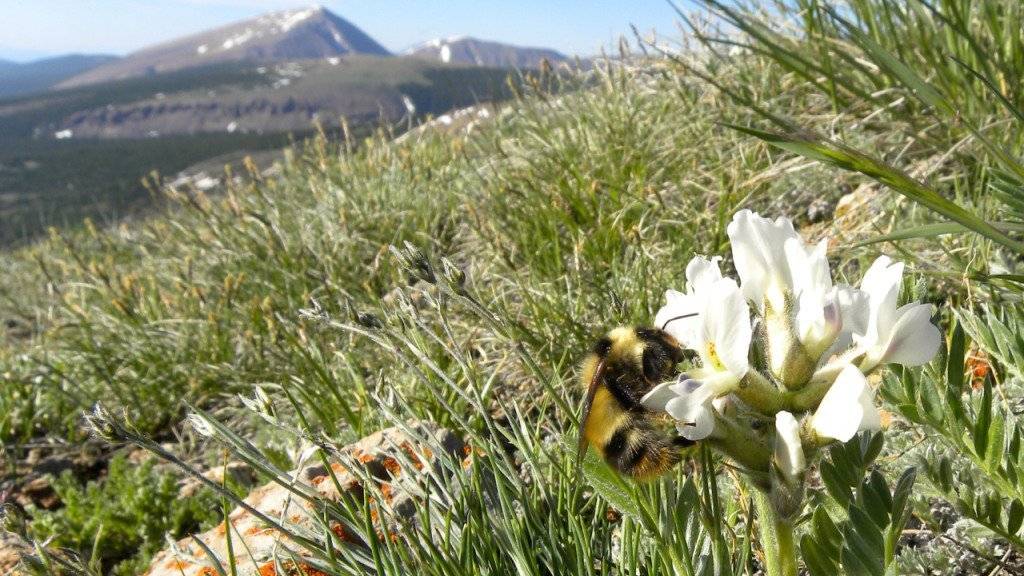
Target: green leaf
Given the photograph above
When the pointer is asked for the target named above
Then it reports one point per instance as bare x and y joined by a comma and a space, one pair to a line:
872, 444
984, 419
996, 431
864, 545
874, 494
825, 531
819, 562
904, 488
842, 156
1014, 517
837, 488
955, 372
932, 231
610, 486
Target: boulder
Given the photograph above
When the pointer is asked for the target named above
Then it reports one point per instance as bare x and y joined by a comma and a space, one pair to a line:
394, 461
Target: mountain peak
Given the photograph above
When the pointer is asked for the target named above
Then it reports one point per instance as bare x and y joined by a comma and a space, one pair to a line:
474, 51
297, 34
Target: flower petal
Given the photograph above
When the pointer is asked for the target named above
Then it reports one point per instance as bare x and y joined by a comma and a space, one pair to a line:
882, 283
727, 327
671, 318
692, 397
914, 340
848, 407
855, 310
658, 397
701, 273
789, 453
758, 250
701, 427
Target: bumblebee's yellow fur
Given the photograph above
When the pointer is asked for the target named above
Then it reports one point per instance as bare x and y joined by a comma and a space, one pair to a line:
623, 366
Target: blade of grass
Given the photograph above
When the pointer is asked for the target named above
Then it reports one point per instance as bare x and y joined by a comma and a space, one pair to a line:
846, 158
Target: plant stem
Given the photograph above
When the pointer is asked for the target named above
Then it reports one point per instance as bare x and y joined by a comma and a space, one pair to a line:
777, 539
787, 548
740, 444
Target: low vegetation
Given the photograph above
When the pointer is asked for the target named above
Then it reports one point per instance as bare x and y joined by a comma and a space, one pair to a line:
459, 277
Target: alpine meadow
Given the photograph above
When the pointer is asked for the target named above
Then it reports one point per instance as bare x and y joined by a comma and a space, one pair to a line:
745, 301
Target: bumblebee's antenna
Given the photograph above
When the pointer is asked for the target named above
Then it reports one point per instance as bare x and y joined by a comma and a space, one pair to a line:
671, 320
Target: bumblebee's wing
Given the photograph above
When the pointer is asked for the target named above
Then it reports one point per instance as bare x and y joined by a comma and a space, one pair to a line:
581, 448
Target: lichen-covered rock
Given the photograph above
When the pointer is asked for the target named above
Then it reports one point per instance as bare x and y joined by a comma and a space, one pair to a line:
233, 473
388, 458
12, 549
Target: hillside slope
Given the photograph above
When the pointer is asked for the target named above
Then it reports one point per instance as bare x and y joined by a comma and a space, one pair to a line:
310, 33
82, 151
16, 79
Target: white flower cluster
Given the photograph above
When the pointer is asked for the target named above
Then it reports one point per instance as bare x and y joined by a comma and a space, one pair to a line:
787, 339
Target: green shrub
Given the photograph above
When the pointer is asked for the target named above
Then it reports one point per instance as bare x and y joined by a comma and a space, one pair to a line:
118, 523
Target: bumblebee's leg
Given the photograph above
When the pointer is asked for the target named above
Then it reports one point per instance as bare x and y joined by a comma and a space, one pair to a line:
639, 450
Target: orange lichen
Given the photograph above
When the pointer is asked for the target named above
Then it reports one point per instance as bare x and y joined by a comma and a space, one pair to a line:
307, 570
342, 534
268, 569
207, 571
386, 491
177, 565
254, 530
411, 452
392, 466
612, 515
978, 368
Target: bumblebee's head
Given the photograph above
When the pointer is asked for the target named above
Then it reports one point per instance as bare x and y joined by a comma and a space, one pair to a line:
648, 356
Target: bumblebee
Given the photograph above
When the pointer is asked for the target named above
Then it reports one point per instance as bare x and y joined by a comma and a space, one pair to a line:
621, 368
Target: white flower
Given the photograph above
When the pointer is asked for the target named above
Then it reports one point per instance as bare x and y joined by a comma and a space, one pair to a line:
759, 253
903, 335
791, 285
713, 319
847, 408
853, 313
691, 402
680, 316
789, 453
818, 315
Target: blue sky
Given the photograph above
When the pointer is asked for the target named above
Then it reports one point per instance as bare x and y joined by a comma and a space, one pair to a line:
36, 28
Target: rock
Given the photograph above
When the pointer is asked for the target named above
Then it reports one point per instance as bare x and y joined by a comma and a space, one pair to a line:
32, 482
819, 210
12, 549
238, 474
395, 462
39, 492
54, 465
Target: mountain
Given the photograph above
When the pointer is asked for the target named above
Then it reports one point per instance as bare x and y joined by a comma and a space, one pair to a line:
17, 79
310, 33
473, 51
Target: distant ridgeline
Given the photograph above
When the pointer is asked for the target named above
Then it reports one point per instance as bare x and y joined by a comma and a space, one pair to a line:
78, 133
